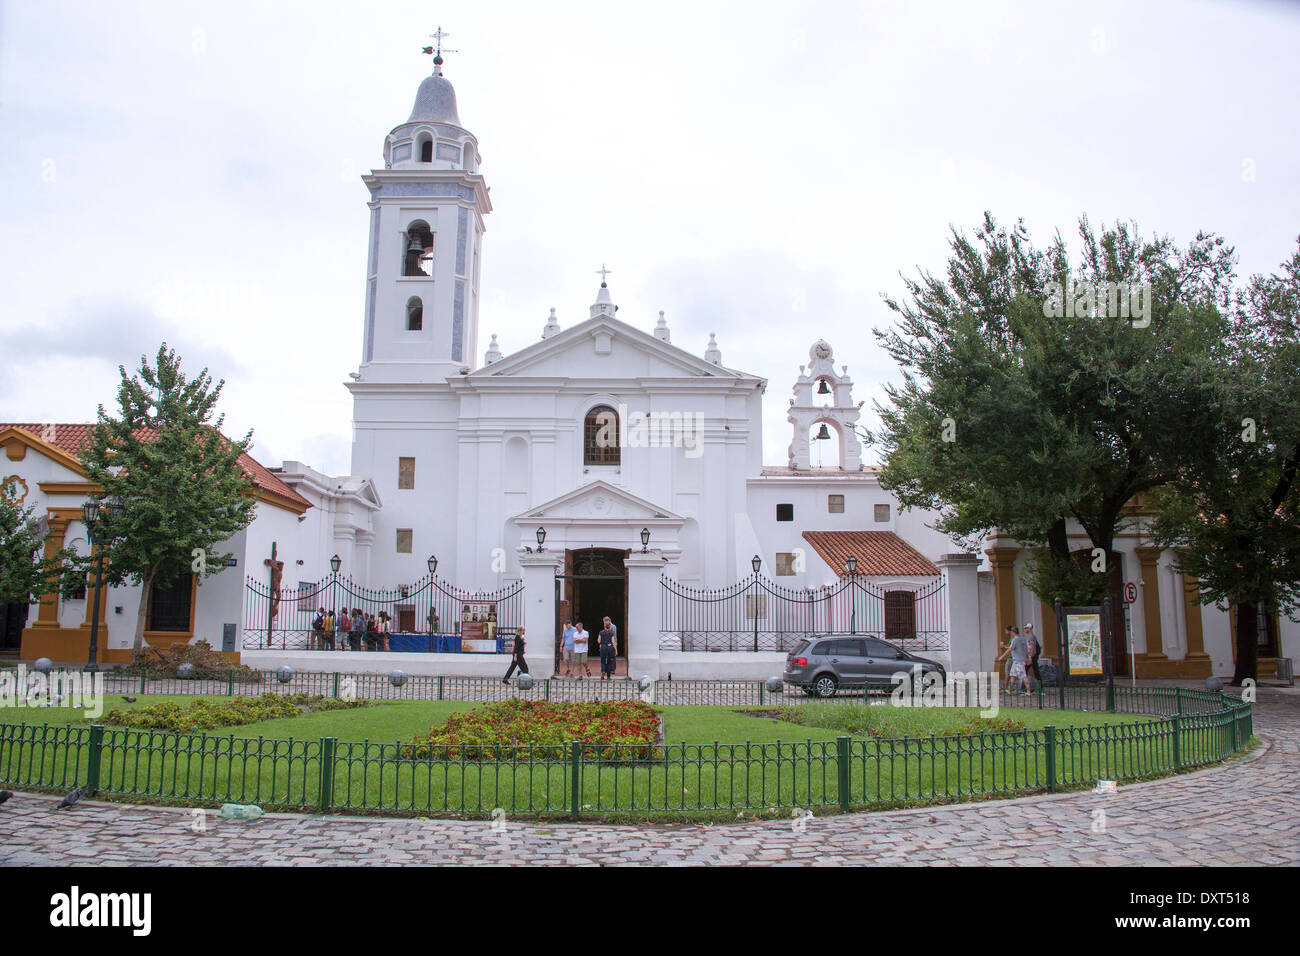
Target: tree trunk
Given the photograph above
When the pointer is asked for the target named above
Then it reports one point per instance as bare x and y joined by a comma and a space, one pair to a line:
1247, 643
146, 586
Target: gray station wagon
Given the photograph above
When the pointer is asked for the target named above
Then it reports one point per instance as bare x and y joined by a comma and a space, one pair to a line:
822, 665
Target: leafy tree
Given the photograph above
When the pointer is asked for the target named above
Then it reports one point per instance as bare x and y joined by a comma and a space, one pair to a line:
1024, 403
177, 480
26, 573
1235, 508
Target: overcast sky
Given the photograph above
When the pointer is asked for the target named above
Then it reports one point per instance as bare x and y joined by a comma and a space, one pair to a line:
190, 172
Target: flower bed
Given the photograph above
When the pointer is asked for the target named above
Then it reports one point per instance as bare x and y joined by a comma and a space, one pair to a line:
203, 714
512, 729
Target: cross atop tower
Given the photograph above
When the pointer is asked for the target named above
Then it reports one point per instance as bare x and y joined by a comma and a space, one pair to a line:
602, 272
437, 50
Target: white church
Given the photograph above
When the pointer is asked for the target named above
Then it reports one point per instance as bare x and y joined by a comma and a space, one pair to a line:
602, 470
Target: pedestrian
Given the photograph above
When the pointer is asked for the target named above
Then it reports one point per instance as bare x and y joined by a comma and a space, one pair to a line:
317, 630
1019, 651
372, 633
385, 628
343, 625
567, 634
358, 629
327, 631
517, 657
1035, 651
580, 638
608, 642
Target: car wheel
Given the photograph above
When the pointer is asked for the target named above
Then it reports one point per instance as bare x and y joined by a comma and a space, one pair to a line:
824, 686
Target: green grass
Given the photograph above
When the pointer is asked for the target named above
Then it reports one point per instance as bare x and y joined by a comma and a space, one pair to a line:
277, 763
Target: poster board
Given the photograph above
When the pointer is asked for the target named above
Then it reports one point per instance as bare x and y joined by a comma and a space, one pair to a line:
478, 621
1083, 640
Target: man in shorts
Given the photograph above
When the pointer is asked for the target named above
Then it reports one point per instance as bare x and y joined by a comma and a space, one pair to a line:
568, 648
580, 638
1035, 651
1019, 651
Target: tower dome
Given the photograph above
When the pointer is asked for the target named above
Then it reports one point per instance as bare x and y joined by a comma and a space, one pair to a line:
435, 102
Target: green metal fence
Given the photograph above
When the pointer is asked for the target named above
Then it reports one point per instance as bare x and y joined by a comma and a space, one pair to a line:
1186, 729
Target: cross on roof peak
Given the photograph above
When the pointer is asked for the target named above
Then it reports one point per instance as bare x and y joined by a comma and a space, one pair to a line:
602, 272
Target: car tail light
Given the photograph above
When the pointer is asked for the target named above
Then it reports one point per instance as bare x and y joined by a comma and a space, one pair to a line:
799, 662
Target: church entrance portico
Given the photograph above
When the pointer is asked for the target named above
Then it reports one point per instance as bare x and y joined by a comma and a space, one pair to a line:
592, 587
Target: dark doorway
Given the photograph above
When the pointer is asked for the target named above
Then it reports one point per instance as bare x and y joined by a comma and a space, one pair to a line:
13, 618
593, 587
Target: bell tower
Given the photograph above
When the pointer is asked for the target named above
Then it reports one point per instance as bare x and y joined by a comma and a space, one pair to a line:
426, 225
838, 412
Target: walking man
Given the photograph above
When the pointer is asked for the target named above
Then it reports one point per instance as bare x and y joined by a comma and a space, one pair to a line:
580, 638
569, 631
1018, 649
1035, 650
517, 658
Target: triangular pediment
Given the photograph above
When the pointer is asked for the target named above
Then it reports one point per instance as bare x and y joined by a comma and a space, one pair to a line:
603, 347
598, 501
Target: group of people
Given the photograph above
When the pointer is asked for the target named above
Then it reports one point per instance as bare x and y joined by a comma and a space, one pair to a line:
1024, 651
344, 631
576, 644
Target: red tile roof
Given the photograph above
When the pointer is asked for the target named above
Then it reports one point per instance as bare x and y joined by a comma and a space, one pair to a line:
71, 438
878, 552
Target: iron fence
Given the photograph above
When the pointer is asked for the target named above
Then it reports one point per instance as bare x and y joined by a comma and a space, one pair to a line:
780, 777
429, 615
758, 614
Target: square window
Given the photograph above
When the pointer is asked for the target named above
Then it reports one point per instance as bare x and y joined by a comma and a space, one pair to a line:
405, 473
835, 504
785, 512
882, 512
404, 540
785, 564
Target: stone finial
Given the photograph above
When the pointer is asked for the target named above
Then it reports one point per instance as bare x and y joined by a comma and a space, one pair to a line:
712, 353
552, 326
661, 328
493, 353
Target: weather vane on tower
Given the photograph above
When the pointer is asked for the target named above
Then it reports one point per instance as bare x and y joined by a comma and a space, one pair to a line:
437, 51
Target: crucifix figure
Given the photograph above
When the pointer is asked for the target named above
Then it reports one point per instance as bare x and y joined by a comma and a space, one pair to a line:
277, 572
602, 272
437, 51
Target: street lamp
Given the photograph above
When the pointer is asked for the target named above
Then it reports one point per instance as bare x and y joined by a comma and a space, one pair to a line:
645, 540
541, 538
756, 563
851, 565
91, 514
335, 563
433, 565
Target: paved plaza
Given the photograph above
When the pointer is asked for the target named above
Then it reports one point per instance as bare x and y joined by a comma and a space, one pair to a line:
1244, 812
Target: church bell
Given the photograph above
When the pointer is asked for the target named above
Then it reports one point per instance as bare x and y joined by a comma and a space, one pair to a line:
823, 435
822, 388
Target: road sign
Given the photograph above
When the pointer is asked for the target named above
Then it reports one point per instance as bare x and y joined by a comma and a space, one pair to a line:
1130, 592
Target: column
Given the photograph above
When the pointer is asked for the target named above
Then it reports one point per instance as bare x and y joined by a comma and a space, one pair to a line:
1197, 660
1149, 558
47, 618
539, 610
1003, 561
961, 594
644, 608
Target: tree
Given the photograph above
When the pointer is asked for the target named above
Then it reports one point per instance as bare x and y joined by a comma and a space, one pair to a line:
178, 482
1035, 391
26, 573
1234, 511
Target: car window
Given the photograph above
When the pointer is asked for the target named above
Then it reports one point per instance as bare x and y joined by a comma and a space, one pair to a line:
849, 648
826, 649
882, 651
801, 647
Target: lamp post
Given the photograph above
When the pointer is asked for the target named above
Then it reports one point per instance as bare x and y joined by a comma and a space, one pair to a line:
756, 563
541, 538
851, 565
91, 516
645, 540
335, 563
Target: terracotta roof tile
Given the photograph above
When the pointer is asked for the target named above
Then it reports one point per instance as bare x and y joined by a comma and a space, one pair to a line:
71, 438
878, 552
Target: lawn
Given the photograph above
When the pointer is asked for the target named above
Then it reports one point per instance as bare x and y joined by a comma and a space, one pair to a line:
758, 764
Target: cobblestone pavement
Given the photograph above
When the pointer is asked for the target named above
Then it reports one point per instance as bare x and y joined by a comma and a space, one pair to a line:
1246, 811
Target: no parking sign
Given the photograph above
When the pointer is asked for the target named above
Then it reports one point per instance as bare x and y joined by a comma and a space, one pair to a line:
1130, 592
